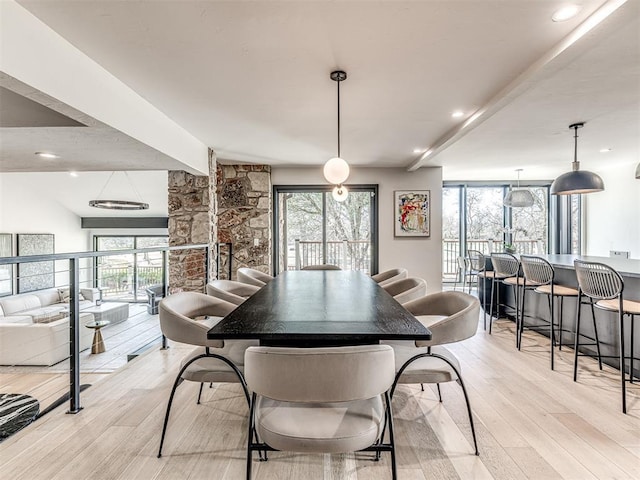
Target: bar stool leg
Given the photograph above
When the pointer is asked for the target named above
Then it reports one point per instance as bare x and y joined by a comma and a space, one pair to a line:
577, 339
631, 360
520, 323
560, 323
551, 332
622, 374
493, 282
595, 330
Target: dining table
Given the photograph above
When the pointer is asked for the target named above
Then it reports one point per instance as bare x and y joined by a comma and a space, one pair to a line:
320, 308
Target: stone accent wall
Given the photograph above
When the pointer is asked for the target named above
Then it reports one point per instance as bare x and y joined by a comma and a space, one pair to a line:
244, 216
189, 223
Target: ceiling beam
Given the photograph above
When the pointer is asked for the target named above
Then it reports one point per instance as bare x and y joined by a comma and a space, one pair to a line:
546, 64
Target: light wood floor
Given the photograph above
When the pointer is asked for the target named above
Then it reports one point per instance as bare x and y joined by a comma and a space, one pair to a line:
531, 423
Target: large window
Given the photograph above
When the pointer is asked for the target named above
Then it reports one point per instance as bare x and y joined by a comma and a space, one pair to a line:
474, 218
312, 228
124, 277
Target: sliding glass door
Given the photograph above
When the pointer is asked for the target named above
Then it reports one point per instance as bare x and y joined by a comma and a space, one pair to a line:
313, 229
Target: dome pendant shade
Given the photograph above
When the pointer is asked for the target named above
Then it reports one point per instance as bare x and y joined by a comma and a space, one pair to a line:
638, 172
336, 170
518, 198
340, 193
577, 181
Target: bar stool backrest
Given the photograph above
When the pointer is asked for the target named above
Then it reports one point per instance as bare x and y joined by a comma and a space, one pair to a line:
536, 270
476, 260
597, 280
505, 264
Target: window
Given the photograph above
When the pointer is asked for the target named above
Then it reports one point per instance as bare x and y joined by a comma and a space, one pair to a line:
311, 228
474, 218
124, 277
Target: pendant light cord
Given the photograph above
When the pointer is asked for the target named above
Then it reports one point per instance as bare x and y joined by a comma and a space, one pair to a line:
105, 186
576, 165
338, 82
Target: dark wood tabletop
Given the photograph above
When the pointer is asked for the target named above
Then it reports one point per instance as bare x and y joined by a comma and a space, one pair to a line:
320, 308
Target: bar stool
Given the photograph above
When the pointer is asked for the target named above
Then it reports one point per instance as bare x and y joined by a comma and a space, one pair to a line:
476, 262
603, 284
506, 268
538, 275
462, 273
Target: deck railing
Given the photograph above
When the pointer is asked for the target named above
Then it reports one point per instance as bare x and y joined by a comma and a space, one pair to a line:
346, 254
451, 250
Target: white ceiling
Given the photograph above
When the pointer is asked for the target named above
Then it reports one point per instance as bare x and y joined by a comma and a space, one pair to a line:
251, 80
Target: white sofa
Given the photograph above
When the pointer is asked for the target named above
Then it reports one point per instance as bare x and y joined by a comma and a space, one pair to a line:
34, 327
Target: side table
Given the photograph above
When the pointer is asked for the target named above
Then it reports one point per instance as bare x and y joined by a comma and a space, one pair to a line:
98, 342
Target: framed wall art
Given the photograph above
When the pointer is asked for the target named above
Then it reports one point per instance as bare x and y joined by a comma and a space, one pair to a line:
6, 271
35, 275
412, 213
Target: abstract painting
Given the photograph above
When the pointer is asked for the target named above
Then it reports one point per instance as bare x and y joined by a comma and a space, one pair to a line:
412, 213
35, 275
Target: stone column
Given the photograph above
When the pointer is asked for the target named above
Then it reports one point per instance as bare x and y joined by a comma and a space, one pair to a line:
244, 216
191, 221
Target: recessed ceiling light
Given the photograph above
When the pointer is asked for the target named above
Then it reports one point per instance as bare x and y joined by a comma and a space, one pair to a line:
418, 150
457, 114
605, 150
47, 155
73, 174
565, 13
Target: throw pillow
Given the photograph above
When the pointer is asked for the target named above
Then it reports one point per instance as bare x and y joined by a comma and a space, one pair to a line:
65, 295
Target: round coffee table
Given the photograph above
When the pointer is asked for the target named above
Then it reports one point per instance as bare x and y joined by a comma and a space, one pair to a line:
98, 343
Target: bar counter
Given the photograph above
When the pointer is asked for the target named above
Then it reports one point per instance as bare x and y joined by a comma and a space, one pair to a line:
536, 305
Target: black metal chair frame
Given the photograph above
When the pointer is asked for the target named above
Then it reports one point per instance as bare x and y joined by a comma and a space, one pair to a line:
179, 380
459, 381
621, 314
516, 290
254, 444
550, 297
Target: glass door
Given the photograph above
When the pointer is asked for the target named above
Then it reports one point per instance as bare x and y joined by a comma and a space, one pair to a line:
314, 229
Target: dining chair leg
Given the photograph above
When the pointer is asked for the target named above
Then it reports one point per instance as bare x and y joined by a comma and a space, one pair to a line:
439, 392
392, 443
200, 393
250, 435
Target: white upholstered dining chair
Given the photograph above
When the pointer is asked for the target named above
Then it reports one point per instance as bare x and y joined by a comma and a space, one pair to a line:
451, 317
231, 291
214, 360
390, 276
407, 289
325, 400
253, 277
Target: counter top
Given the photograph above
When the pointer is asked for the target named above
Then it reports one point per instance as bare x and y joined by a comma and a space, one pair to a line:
624, 266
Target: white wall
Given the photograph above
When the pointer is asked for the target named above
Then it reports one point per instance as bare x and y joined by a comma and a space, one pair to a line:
25, 209
613, 216
421, 256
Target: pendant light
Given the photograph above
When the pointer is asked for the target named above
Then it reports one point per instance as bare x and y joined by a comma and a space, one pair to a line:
638, 172
119, 204
577, 181
518, 198
336, 170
